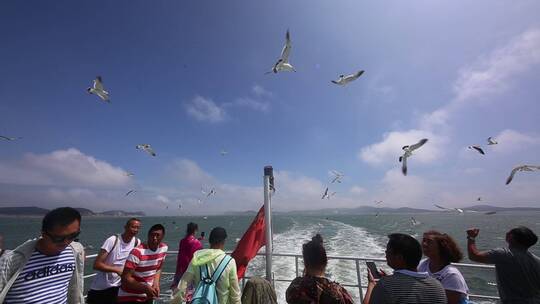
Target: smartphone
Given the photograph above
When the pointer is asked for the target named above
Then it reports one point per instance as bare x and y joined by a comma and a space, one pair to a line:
373, 269
202, 234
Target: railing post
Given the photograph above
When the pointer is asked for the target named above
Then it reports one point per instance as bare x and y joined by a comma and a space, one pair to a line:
296, 266
359, 278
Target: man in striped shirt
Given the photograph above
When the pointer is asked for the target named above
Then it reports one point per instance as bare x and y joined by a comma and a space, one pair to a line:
48, 269
406, 285
142, 271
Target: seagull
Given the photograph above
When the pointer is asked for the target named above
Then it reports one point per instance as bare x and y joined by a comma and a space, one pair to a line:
128, 174
490, 212
414, 222
211, 192
223, 152
337, 176
325, 195
98, 90
408, 152
9, 138
477, 148
378, 202
491, 141
283, 62
205, 217
479, 198
147, 148
129, 192
523, 168
343, 80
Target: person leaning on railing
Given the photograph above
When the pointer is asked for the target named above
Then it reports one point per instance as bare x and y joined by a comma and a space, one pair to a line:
313, 287
441, 250
516, 268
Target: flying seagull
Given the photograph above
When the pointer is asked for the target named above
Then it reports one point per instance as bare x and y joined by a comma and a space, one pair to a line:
325, 195
523, 168
129, 192
283, 62
378, 202
408, 152
477, 148
129, 174
9, 138
208, 193
414, 222
490, 212
223, 152
337, 176
97, 89
491, 141
146, 148
343, 80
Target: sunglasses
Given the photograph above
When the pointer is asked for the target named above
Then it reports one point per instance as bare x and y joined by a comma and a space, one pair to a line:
63, 239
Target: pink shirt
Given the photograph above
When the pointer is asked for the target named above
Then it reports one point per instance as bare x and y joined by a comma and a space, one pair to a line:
187, 248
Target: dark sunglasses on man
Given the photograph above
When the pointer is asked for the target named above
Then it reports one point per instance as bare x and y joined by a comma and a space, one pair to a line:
63, 239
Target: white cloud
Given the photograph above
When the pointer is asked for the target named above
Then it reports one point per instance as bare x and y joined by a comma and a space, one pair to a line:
357, 190
62, 167
511, 141
190, 173
491, 75
250, 103
259, 91
389, 149
204, 109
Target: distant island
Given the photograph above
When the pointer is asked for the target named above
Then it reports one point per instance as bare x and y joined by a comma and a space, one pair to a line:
371, 210
37, 211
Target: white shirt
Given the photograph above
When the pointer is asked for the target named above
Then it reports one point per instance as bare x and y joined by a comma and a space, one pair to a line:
117, 257
450, 277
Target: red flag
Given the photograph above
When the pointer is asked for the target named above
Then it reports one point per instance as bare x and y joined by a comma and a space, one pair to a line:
247, 248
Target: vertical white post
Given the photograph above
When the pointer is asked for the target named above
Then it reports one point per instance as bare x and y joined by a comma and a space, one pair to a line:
268, 183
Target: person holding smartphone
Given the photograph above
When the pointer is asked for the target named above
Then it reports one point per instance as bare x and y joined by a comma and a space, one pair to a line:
186, 248
406, 284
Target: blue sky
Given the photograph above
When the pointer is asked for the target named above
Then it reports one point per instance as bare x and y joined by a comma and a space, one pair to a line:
188, 78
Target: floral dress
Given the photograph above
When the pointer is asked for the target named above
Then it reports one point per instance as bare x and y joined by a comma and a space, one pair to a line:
316, 290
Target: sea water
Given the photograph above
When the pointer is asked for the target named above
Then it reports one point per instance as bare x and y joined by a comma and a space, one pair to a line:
344, 235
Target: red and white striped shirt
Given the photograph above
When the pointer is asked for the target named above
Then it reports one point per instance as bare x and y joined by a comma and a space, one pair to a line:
145, 264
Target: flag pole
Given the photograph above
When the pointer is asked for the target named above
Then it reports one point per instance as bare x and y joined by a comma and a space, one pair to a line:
268, 186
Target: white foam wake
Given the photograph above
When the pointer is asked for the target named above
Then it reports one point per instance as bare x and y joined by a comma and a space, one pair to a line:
340, 240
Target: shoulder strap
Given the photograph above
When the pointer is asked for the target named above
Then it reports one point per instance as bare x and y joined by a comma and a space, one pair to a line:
221, 268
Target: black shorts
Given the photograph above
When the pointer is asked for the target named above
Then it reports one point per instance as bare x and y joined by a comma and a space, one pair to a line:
105, 296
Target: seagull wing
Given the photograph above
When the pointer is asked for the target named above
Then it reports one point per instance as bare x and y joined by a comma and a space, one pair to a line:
98, 84
325, 193
418, 144
511, 176
355, 76
287, 48
477, 148
404, 164
149, 150
441, 207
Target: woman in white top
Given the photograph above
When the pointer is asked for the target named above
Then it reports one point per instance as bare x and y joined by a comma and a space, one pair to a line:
441, 250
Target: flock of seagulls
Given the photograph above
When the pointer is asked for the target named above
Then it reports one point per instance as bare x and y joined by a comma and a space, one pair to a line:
283, 65
338, 176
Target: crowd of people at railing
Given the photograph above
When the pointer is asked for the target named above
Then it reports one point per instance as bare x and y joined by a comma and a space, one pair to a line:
49, 269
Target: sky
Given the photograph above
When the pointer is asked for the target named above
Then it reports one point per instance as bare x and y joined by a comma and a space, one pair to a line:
188, 78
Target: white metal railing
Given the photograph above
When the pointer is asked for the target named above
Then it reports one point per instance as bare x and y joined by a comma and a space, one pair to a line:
356, 260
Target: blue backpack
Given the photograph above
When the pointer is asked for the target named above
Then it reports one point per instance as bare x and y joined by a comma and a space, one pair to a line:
206, 289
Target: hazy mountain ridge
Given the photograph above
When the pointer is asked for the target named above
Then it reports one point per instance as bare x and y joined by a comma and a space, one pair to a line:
37, 211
